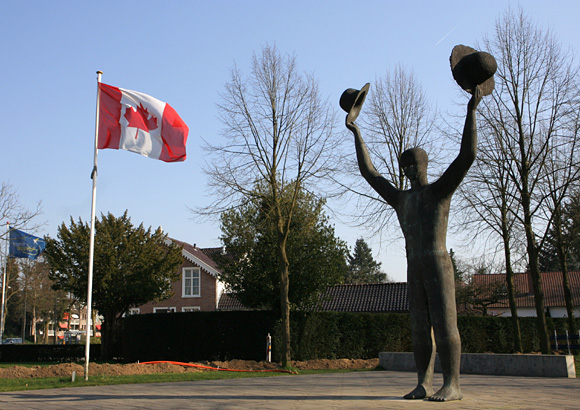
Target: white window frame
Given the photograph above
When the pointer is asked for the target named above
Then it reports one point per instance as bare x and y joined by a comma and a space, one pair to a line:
190, 309
190, 274
164, 309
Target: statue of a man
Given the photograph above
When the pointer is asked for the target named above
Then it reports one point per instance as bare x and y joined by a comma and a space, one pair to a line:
423, 212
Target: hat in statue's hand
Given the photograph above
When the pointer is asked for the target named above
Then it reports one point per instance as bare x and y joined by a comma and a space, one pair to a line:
352, 101
471, 68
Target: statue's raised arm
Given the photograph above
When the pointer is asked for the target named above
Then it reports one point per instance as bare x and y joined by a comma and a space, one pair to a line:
352, 101
473, 71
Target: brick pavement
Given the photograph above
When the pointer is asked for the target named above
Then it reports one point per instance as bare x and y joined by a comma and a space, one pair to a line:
360, 390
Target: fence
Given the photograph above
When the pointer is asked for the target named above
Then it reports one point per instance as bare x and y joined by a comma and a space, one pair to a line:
566, 341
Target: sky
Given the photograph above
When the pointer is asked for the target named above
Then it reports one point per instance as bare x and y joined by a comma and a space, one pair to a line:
181, 52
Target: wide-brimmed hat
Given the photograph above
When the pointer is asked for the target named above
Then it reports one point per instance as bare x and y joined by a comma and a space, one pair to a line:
352, 101
471, 68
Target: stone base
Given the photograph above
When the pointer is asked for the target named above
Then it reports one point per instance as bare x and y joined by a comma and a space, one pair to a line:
533, 365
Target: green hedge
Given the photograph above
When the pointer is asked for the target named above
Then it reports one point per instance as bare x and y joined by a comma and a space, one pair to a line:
338, 335
349, 335
315, 335
47, 353
196, 336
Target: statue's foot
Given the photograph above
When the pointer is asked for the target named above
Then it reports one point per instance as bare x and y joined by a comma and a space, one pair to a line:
447, 393
420, 392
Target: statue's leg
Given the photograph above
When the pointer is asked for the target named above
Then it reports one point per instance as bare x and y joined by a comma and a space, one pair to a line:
444, 321
423, 346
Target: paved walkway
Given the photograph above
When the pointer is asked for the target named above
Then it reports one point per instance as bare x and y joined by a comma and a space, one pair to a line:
361, 390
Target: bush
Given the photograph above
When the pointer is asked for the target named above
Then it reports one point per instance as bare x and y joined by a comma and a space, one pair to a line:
47, 353
196, 336
314, 335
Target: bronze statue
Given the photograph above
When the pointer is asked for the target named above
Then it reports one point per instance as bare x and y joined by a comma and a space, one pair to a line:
423, 212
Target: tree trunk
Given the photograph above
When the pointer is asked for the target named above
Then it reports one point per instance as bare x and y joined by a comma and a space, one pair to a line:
532, 248
518, 346
538, 296
562, 256
33, 324
108, 336
509, 277
283, 265
45, 332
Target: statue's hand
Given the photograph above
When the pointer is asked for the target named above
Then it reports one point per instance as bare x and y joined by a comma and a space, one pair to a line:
350, 125
475, 99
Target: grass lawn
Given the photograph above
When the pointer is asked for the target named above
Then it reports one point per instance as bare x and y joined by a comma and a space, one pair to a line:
60, 382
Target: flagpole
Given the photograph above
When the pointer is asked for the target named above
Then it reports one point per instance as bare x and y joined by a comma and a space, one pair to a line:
4, 283
92, 235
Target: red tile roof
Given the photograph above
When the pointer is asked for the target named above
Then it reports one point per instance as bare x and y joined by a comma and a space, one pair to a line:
229, 301
368, 297
551, 285
201, 254
365, 297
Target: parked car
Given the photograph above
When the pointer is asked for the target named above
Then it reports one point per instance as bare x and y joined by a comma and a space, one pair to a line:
13, 341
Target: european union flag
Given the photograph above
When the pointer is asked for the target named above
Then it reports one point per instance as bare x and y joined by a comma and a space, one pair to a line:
24, 245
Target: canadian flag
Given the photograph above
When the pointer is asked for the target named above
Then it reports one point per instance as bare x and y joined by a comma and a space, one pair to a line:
139, 123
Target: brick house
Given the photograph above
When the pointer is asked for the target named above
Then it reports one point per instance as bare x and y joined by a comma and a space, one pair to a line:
554, 301
198, 287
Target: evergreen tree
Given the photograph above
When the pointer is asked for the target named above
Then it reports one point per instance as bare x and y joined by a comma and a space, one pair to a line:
317, 259
570, 235
132, 266
457, 271
362, 268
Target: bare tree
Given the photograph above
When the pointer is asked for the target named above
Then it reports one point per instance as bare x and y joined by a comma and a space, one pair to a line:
277, 132
527, 112
12, 210
19, 216
490, 207
38, 296
561, 181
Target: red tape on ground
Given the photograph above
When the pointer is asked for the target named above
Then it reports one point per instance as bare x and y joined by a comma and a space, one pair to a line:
222, 369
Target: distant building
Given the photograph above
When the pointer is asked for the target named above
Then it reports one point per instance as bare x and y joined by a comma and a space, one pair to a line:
72, 327
552, 287
199, 289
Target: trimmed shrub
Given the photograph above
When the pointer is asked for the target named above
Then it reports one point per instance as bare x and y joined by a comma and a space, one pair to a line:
47, 353
200, 336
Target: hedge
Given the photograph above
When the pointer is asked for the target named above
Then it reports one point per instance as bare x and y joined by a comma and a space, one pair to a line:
198, 336
47, 353
315, 335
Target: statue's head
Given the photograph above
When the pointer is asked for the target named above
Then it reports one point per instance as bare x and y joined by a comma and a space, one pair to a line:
414, 162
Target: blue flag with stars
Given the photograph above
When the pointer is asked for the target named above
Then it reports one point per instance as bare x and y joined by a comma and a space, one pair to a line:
24, 245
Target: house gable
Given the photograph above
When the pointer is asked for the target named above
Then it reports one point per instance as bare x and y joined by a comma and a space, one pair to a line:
198, 287
196, 256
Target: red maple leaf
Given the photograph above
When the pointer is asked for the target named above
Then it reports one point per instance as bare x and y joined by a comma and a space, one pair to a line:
141, 119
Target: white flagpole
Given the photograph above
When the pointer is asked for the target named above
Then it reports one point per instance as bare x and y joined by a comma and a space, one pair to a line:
92, 235
4, 283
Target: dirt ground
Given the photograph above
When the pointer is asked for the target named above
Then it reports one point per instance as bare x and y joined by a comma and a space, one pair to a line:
66, 369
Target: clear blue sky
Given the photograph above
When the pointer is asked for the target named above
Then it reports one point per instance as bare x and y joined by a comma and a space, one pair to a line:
181, 52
